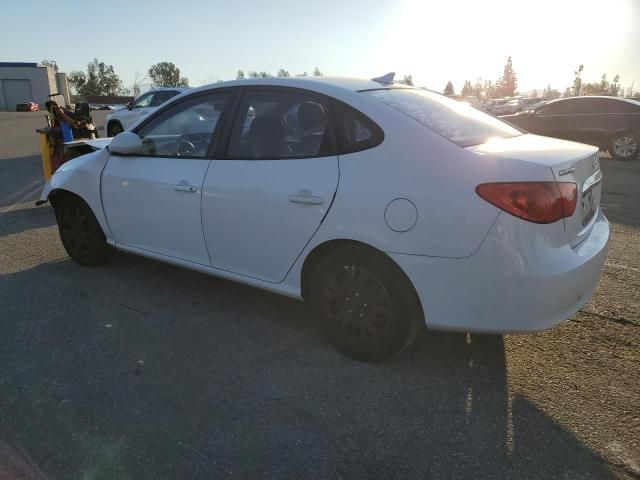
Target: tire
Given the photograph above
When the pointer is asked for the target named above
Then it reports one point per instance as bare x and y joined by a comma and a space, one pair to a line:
625, 146
80, 232
114, 128
366, 306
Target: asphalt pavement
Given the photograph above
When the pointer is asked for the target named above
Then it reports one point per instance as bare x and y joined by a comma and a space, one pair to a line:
141, 370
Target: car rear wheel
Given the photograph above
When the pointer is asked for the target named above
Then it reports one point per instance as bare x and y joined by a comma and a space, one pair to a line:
366, 306
625, 146
80, 232
114, 128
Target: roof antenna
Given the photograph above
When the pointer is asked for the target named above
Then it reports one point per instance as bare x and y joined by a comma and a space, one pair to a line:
386, 79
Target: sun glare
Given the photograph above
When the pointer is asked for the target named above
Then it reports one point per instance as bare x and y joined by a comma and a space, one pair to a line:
436, 41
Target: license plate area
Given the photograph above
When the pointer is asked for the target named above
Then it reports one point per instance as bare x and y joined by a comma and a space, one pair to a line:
587, 206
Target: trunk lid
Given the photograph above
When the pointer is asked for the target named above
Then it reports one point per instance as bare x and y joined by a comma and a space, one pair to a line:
569, 162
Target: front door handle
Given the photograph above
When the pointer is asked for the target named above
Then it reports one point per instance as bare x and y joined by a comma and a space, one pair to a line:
305, 197
185, 188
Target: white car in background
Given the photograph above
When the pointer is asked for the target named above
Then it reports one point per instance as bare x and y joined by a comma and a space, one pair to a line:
387, 207
146, 103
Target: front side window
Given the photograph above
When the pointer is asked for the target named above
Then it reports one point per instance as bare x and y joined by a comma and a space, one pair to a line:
185, 129
455, 121
143, 101
280, 124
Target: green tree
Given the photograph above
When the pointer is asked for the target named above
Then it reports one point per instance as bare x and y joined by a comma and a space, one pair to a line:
448, 90
254, 74
406, 80
240, 75
100, 79
467, 89
50, 63
508, 83
576, 89
77, 79
550, 93
317, 72
166, 74
283, 73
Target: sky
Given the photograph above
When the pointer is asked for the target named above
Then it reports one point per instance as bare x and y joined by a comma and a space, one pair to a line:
434, 41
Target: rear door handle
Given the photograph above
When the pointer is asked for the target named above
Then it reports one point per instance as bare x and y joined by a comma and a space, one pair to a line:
185, 188
305, 197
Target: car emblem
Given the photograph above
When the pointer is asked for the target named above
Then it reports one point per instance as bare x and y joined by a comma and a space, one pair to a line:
567, 171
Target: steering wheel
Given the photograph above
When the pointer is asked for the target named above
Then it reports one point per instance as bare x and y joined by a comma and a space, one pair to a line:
189, 144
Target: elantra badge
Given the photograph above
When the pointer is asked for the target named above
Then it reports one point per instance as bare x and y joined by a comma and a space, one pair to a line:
567, 171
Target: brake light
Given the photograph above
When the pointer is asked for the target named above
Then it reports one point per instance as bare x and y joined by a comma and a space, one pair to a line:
538, 202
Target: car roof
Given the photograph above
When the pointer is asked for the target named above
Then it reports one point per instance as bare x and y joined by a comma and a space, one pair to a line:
310, 82
608, 97
160, 89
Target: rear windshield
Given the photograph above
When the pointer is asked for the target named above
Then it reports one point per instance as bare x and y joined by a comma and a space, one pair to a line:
456, 121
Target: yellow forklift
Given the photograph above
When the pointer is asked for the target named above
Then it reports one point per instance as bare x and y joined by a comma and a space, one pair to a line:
64, 129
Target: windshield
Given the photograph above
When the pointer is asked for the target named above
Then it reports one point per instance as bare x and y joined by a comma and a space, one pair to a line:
456, 121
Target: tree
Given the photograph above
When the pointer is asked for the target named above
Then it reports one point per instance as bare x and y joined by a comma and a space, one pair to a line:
467, 89
100, 79
50, 63
137, 83
77, 80
615, 88
166, 74
254, 74
550, 93
406, 80
317, 72
508, 84
283, 73
240, 75
577, 81
567, 92
448, 90
534, 94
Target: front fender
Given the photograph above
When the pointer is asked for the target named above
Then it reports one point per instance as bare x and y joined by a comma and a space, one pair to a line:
81, 177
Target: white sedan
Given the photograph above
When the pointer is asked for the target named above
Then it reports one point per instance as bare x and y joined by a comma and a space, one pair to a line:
122, 119
386, 207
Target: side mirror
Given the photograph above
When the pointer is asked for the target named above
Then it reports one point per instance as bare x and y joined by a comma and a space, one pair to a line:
129, 105
126, 143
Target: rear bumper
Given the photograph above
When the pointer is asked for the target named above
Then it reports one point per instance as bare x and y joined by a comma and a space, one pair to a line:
518, 281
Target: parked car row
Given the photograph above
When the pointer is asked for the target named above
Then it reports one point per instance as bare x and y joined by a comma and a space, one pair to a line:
610, 123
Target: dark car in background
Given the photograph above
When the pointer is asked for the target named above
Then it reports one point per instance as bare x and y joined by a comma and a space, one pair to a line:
610, 123
27, 107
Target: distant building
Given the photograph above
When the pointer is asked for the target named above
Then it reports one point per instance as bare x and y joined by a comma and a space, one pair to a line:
30, 82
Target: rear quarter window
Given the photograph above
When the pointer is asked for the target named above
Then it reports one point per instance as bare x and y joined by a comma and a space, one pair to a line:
355, 131
456, 121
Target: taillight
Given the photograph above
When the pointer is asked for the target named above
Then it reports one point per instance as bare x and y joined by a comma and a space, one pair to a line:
539, 202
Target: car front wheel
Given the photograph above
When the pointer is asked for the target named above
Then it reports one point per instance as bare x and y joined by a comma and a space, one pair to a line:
80, 232
366, 306
625, 146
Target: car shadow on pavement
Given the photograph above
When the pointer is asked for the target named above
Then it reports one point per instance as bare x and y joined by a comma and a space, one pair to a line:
19, 220
143, 370
18, 183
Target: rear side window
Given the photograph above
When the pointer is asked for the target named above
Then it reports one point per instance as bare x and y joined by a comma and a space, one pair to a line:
456, 121
354, 130
273, 124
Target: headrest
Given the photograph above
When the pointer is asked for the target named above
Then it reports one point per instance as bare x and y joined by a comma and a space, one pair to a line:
310, 115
